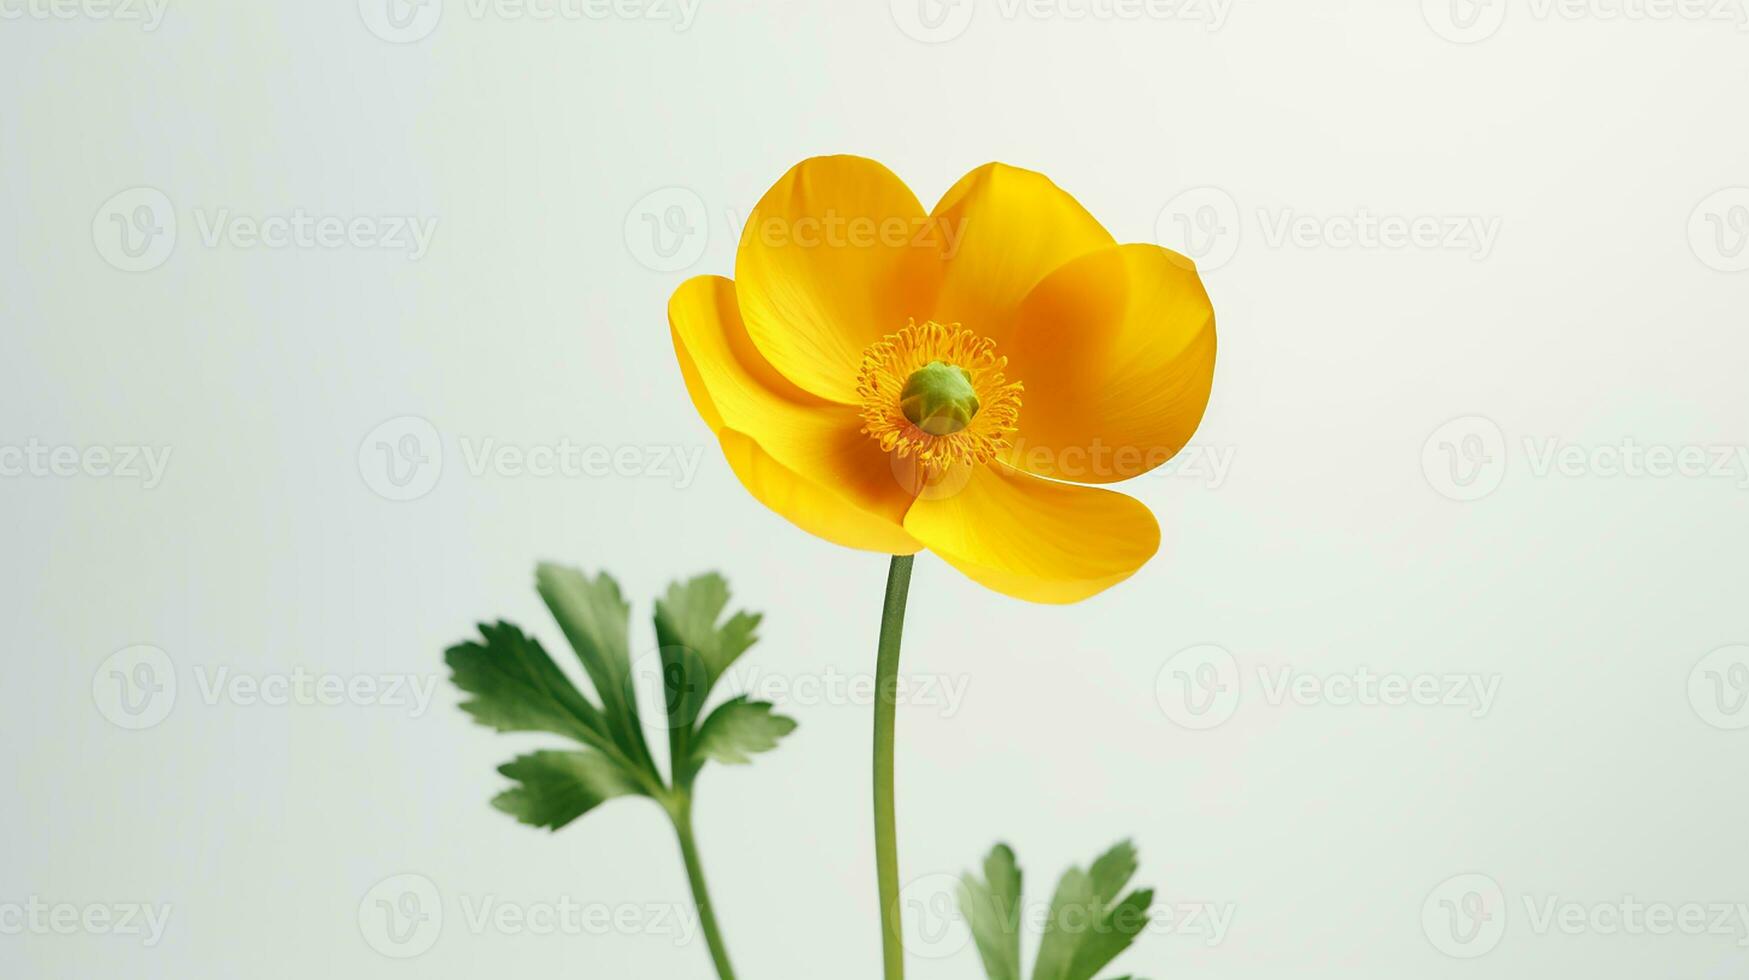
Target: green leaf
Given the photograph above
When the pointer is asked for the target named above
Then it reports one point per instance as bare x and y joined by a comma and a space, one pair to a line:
1123, 922
594, 619
1087, 929
1112, 870
737, 730
992, 910
518, 688
697, 647
687, 617
558, 787
1065, 927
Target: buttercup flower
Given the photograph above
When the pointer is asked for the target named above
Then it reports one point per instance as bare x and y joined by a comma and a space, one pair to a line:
892, 379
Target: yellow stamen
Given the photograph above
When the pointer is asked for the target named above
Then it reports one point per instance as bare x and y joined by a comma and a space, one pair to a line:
888, 365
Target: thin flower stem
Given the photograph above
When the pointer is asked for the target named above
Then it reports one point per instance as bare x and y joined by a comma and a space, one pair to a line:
886, 705
701, 896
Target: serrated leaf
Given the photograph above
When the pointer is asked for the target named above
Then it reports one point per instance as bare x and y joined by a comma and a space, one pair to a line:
697, 647
1112, 870
1087, 929
1123, 922
992, 910
687, 616
556, 788
517, 687
737, 730
595, 619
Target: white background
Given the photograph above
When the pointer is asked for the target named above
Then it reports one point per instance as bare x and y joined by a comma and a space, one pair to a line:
1354, 528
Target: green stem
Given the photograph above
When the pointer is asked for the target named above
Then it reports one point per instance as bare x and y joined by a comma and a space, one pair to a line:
886, 826
707, 916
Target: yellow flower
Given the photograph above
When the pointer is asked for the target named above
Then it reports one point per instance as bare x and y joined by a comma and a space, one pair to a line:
892, 379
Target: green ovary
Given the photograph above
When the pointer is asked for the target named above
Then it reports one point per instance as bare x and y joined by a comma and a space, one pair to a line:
939, 399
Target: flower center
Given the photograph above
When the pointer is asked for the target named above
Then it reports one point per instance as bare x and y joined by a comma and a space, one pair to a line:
937, 393
938, 398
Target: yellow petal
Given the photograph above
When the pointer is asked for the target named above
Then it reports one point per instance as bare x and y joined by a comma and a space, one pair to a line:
809, 506
822, 269
1007, 228
1116, 351
818, 442
1034, 539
